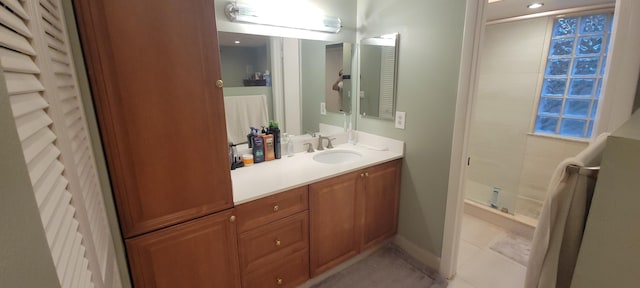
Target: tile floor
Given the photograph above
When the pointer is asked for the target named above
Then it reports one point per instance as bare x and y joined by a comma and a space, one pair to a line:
478, 265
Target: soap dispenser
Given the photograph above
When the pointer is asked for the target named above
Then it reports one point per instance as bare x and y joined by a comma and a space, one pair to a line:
290, 151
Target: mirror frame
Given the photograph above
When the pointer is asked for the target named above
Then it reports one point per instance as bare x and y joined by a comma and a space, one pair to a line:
383, 40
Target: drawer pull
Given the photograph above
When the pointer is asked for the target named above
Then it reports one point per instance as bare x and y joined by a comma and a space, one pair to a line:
276, 208
279, 281
278, 243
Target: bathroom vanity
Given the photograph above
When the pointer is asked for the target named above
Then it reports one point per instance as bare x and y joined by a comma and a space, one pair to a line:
186, 220
332, 213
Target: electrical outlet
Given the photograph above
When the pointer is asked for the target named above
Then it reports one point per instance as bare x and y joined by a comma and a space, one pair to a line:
400, 119
323, 108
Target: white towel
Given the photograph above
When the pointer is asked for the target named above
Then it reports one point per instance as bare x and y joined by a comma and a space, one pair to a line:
557, 238
242, 112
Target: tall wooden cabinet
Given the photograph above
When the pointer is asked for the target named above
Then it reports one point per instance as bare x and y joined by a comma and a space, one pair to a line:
153, 67
198, 253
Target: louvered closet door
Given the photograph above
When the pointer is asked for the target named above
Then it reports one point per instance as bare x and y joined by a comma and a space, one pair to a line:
387, 72
38, 142
61, 90
153, 67
41, 81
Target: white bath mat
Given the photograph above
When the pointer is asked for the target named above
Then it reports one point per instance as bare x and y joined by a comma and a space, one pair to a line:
514, 247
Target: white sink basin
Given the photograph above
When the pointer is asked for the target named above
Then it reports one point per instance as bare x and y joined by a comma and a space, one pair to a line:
337, 156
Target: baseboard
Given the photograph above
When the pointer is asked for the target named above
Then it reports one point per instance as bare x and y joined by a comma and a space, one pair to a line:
427, 258
521, 225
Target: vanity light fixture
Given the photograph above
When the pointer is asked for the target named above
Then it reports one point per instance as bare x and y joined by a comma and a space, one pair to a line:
535, 5
276, 16
236, 42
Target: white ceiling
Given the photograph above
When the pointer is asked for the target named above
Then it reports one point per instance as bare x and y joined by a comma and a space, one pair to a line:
510, 8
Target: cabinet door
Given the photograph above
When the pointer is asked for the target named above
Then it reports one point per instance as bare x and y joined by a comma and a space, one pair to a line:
380, 203
198, 253
333, 222
153, 66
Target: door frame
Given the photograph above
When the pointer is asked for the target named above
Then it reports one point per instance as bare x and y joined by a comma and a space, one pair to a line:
627, 42
467, 86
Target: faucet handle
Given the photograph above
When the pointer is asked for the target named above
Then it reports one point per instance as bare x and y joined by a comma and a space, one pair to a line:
330, 145
309, 147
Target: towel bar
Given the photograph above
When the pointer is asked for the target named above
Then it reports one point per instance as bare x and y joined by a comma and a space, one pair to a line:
587, 171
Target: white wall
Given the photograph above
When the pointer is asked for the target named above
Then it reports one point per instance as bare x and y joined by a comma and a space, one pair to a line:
502, 151
610, 252
623, 67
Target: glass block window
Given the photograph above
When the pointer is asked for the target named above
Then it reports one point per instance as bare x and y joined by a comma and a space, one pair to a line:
573, 75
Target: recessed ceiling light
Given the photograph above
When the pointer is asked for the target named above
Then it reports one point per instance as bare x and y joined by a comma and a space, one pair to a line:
237, 42
535, 5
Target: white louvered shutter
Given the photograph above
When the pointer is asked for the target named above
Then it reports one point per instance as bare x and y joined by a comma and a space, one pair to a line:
51, 124
387, 70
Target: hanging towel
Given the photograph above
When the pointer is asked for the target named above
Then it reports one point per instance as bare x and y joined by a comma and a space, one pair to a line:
557, 238
243, 112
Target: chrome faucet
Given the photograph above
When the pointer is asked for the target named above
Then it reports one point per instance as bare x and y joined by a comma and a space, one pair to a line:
329, 145
309, 147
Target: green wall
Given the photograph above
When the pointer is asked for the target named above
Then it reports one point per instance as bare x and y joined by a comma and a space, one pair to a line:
429, 60
235, 62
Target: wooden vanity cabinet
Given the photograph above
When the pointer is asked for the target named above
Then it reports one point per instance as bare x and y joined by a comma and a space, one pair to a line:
351, 213
334, 221
379, 203
198, 253
273, 240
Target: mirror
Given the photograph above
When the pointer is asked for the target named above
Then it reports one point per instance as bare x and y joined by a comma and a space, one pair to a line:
291, 84
378, 69
338, 77
246, 67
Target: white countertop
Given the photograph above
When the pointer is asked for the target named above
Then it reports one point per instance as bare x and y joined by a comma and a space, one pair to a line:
271, 177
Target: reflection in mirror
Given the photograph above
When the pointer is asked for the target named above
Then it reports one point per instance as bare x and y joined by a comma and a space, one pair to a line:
246, 73
258, 88
320, 64
338, 78
378, 69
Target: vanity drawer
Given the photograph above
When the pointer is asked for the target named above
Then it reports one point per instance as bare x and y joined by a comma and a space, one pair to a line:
268, 209
286, 272
263, 246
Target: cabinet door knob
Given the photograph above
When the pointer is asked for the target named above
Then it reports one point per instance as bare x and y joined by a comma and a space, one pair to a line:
366, 174
219, 84
361, 175
276, 208
278, 243
232, 218
279, 281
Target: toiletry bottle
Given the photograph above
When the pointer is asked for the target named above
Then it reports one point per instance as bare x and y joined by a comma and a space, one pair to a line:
252, 133
258, 149
275, 131
290, 146
267, 78
268, 147
351, 135
232, 156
